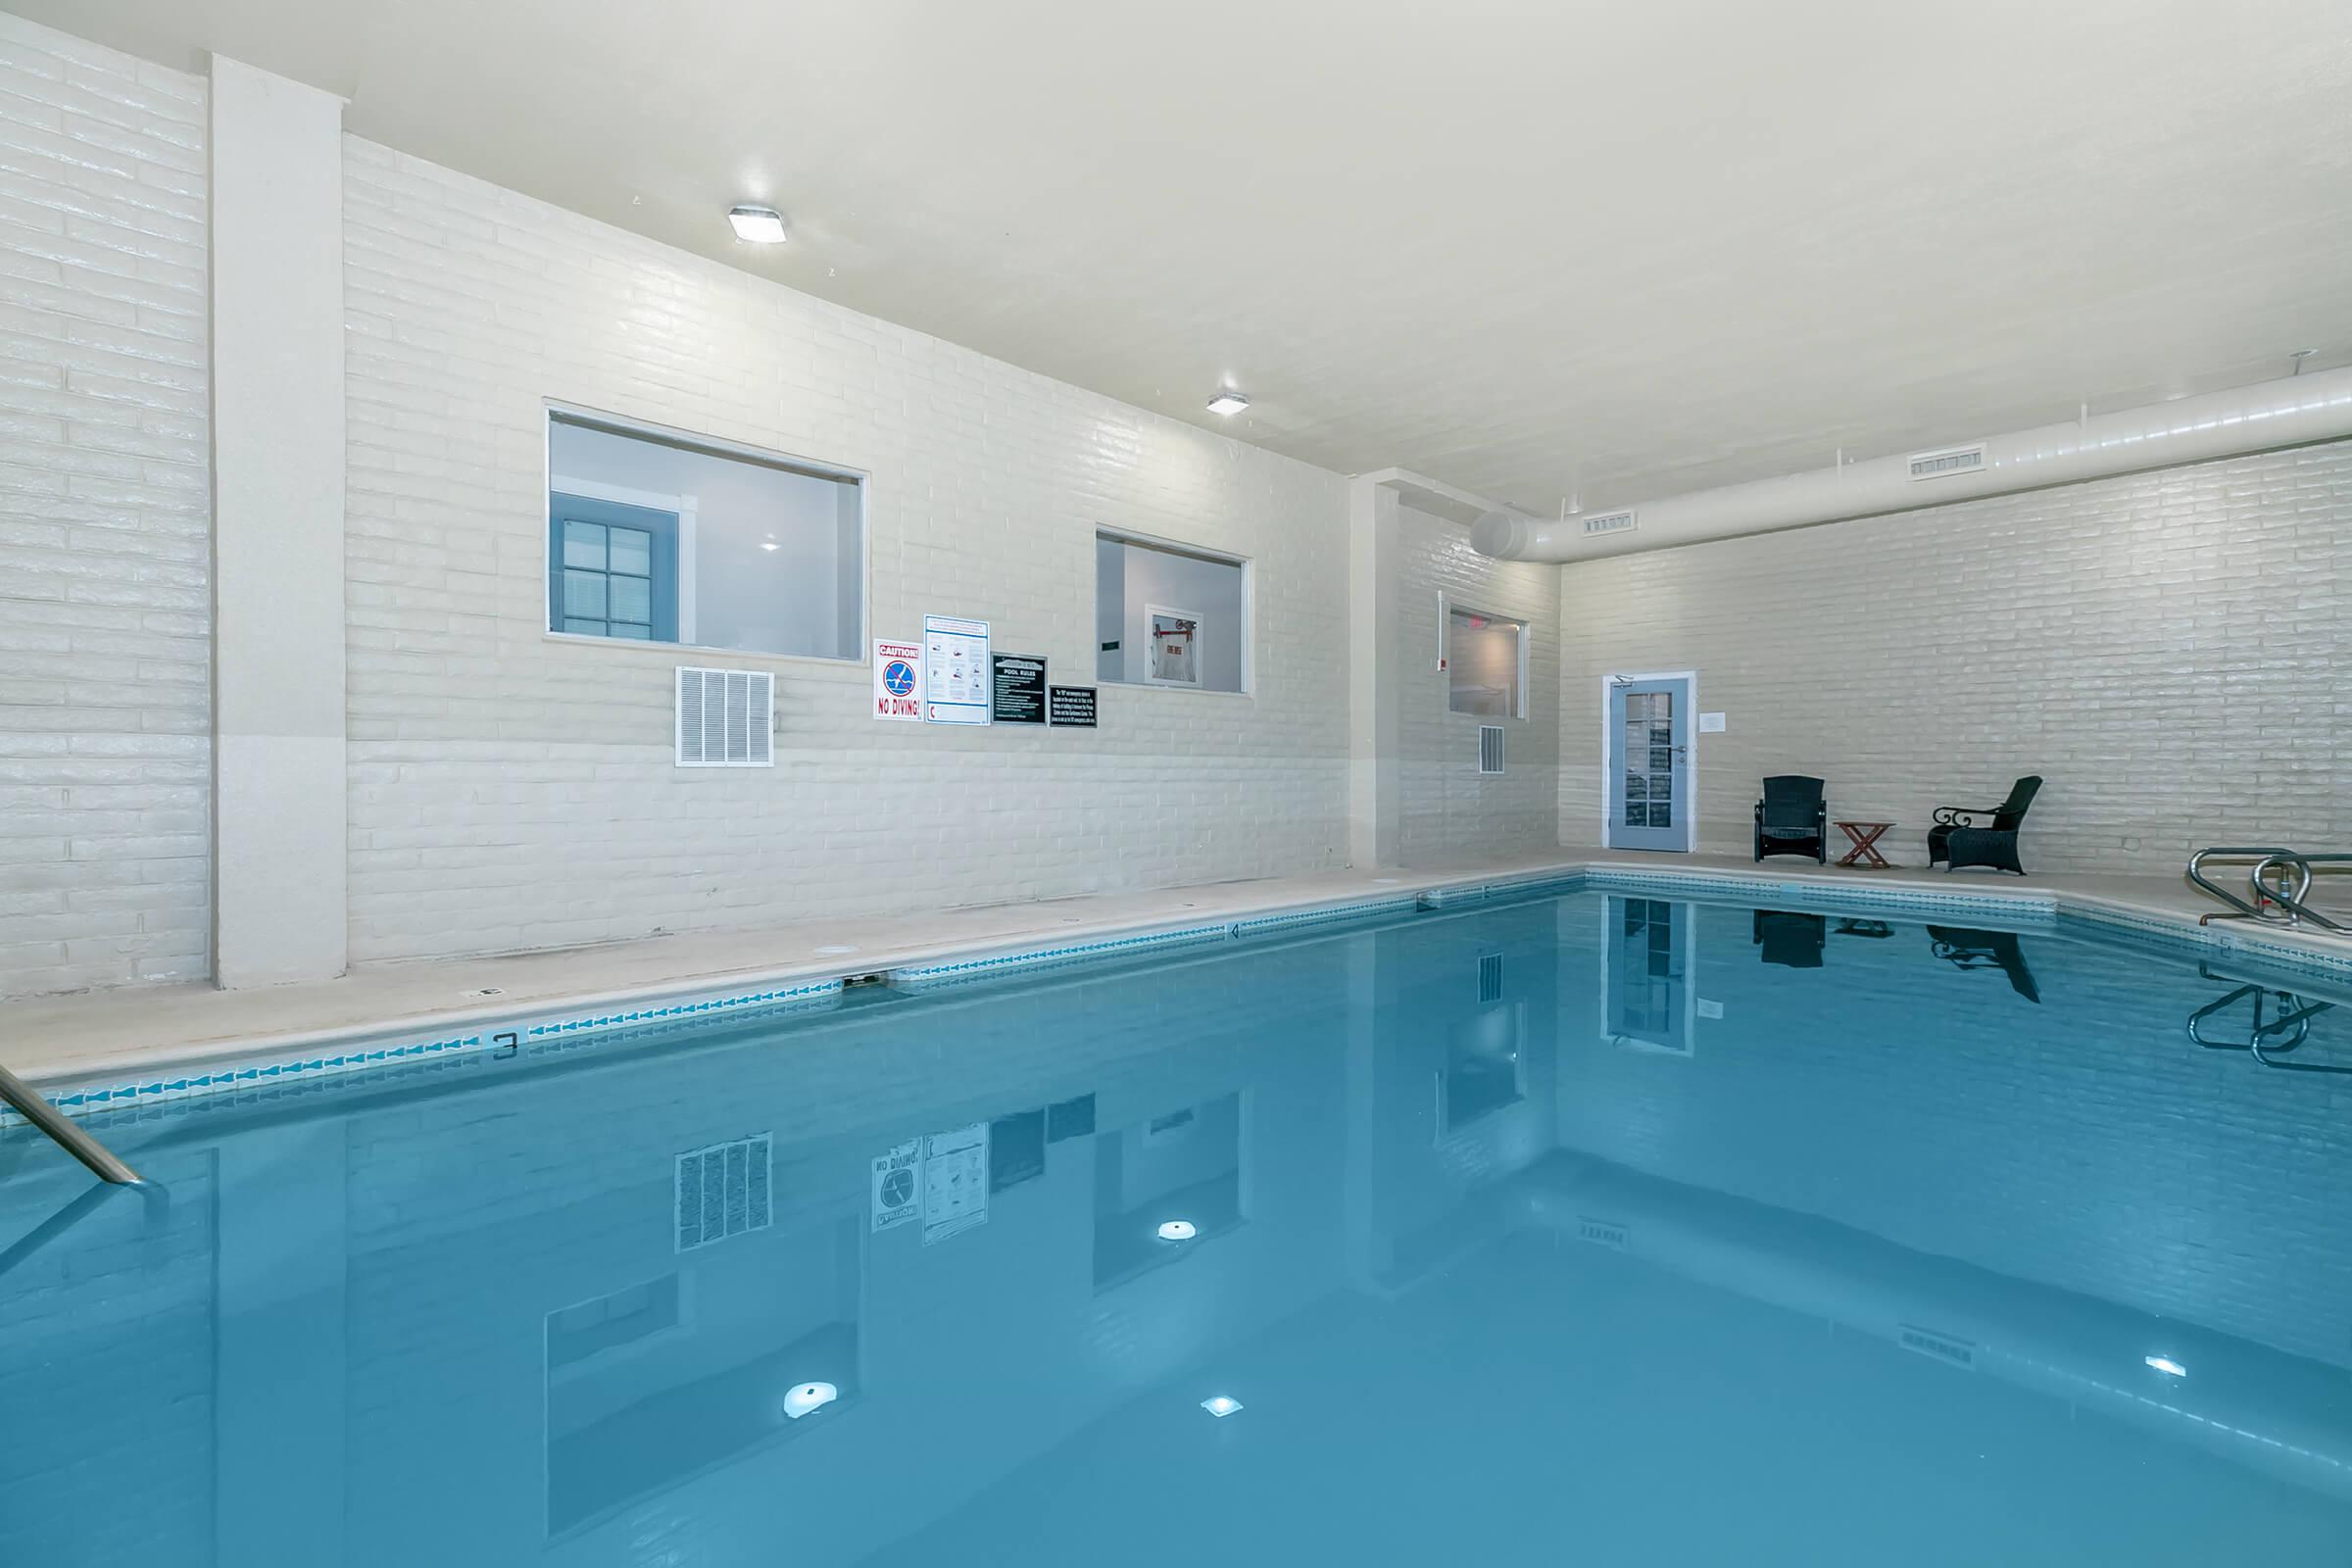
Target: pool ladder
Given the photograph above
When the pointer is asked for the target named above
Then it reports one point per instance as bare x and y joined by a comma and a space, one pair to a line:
58, 1125
2280, 1022
2280, 883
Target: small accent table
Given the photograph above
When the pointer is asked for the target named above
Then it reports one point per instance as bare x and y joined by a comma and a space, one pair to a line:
1865, 836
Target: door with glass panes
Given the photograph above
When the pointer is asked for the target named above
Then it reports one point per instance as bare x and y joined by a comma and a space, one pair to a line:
1648, 764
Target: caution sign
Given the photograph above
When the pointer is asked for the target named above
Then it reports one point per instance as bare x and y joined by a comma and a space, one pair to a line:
898, 681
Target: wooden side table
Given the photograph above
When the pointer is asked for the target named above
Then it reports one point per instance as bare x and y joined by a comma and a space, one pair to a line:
1865, 837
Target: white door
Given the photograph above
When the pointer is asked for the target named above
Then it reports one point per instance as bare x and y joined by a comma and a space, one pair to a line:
1647, 762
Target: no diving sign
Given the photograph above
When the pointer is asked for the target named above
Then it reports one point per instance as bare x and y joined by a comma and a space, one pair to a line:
897, 1184
898, 681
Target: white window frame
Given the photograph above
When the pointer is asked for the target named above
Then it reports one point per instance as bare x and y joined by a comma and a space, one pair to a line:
683, 507
552, 484
1447, 609
1219, 557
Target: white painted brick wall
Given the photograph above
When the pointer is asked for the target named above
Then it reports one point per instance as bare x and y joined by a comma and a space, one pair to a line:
104, 513
508, 791
1447, 812
2166, 649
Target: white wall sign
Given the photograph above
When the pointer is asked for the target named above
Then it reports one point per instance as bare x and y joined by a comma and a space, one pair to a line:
1710, 724
897, 1184
955, 1182
898, 680
955, 673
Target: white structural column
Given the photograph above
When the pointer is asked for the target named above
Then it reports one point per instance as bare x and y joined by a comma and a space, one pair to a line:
1373, 545
278, 838
1375, 668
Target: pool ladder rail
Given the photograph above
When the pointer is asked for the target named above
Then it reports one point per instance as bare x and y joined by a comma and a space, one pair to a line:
2267, 1039
2280, 885
38, 1110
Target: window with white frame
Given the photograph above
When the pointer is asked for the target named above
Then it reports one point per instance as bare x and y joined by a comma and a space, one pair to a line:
656, 537
1170, 616
1486, 663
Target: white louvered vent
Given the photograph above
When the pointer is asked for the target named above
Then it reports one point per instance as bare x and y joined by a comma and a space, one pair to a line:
1612, 522
1490, 748
1945, 1347
1948, 461
722, 1192
726, 718
1489, 977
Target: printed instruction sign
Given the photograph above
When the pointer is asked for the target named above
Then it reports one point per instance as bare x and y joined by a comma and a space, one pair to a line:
898, 681
955, 1182
897, 1184
1017, 690
1072, 705
955, 670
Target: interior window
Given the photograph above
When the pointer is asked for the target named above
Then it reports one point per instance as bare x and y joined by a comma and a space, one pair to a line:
1169, 617
1486, 663
651, 538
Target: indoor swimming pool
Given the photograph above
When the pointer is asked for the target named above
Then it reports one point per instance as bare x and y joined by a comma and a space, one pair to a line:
1598, 1227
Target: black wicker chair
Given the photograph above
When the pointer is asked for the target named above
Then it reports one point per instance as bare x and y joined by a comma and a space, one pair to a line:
1791, 818
1959, 837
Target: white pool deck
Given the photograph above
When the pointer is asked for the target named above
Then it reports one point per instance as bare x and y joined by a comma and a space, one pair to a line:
75, 1038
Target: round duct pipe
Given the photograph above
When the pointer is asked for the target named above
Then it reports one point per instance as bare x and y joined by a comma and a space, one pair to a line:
2263, 418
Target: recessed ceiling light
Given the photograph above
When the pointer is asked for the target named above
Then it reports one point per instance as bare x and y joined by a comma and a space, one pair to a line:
1221, 1406
769, 544
2168, 1366
1228, 402
1178, 1230
761, 225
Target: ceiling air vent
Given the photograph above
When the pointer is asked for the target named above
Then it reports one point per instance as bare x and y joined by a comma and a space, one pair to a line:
722, 1192
1609, 523
1951, 461
726, 718
1490, 748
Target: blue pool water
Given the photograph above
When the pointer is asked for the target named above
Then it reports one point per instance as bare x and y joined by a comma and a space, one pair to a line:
1592, 1228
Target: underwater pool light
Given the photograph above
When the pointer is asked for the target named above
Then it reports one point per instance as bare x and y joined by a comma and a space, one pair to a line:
1178, 1230
2168, 1366
1221, 1406
807, 1399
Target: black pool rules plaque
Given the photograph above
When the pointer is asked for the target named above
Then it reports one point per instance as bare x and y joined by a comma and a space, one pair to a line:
1018, 694
1074, 706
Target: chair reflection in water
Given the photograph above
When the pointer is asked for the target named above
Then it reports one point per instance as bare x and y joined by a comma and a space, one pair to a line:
1967, 949
1790, 939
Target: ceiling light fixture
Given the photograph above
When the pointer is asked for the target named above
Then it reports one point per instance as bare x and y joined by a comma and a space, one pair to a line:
1178, 1230
1221, 1406
1228, 402
2168, 1366
760, 225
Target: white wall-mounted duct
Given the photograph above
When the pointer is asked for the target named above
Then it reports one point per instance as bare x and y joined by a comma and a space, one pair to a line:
2193, 429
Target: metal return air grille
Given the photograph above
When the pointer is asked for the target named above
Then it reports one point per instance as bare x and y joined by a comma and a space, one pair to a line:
726, 718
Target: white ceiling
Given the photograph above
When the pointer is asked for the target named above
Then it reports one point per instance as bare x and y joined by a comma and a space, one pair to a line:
1528, 248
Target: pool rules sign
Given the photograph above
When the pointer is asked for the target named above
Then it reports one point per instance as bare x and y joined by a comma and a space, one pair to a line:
898, 681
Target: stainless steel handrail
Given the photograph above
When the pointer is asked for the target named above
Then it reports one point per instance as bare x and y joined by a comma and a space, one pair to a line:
58, 1125
2293, 903
2267, 858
